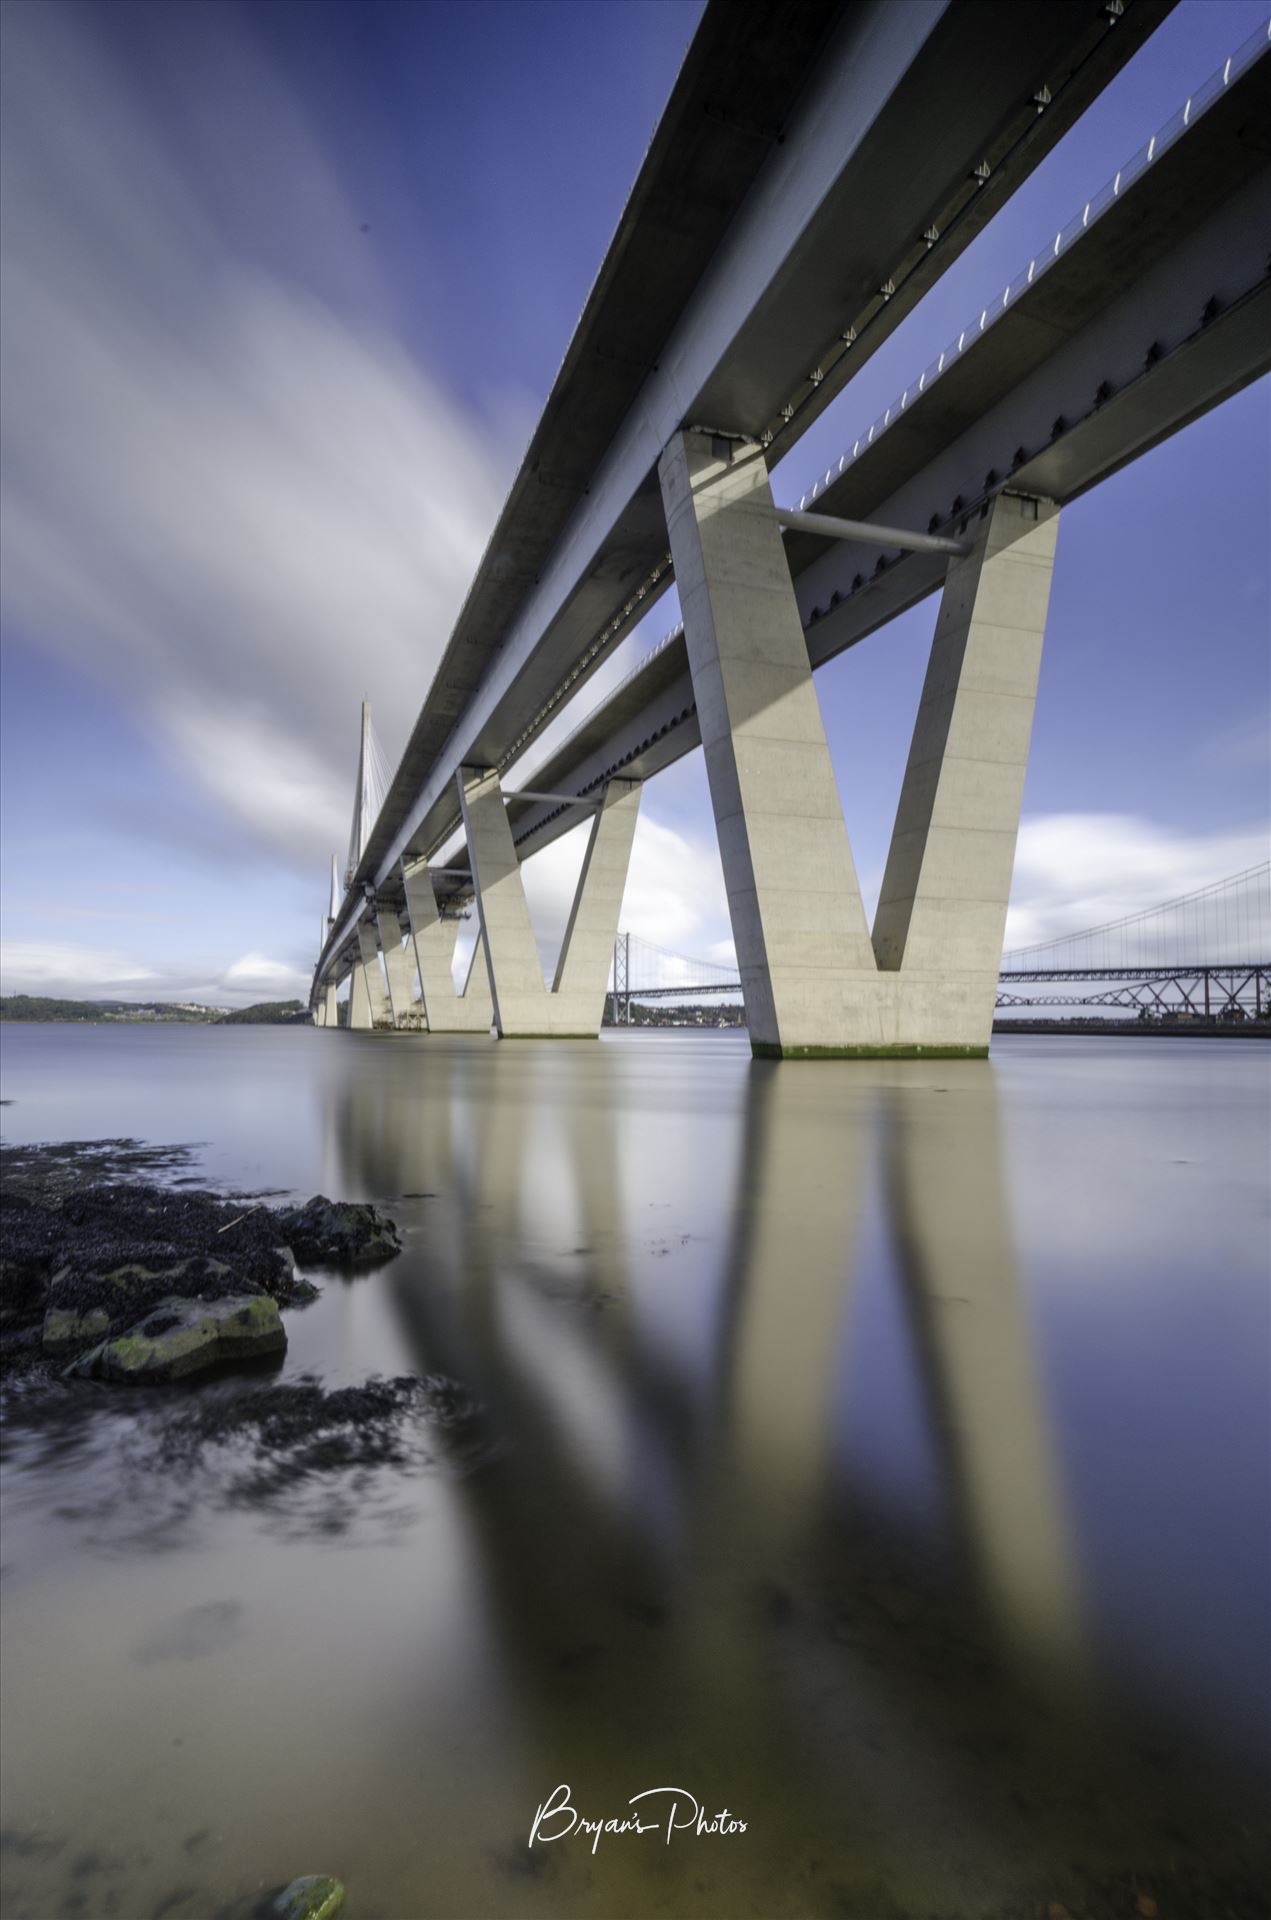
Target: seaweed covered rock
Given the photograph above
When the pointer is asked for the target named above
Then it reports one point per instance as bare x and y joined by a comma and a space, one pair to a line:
66, 1331
88, 1250
339, 1233
317, 1896
181, 1337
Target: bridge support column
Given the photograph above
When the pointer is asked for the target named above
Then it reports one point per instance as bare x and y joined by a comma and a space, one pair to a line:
522, 1004
446, 1009
328, 1007
942, 912
399, 964
810, 978
360, 1019
377, 1001
799, 926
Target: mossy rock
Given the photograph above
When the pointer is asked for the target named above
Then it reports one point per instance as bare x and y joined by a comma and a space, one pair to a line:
66, 1331
180, 1337
318, 1896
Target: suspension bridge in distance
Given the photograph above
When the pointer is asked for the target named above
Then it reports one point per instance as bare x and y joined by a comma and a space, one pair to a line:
1205, 956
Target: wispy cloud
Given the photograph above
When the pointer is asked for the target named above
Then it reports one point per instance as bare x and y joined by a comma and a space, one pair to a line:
65, 970
230, 489
674, 894
1079, 870
1245, 744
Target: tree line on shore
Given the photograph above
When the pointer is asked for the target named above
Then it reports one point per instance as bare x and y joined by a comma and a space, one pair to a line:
36, 1007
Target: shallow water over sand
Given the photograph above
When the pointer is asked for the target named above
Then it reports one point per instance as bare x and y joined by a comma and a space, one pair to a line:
880, 1451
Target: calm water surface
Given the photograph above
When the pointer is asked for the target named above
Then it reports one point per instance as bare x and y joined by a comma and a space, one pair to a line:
880, 1451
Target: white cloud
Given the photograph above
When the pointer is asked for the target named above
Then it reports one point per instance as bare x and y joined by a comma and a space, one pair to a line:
1080, 870
1245, 744
62, 970
259, 977
674, 894
1072, 871
675, 890
282, 786
230, 492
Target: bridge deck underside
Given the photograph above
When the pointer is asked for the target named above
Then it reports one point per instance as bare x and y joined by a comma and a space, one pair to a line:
1105, 356
1187, 232
725, 295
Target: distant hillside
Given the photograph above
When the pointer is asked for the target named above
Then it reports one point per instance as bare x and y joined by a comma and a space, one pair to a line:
267, 1013
30, 1006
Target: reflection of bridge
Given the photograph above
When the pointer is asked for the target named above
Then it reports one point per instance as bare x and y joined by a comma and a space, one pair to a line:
784, 221
1206, 954
781, 1475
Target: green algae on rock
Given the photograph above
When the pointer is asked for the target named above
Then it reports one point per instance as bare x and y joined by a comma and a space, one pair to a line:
79, 1242
180, 1337
66, 1331
318, 1896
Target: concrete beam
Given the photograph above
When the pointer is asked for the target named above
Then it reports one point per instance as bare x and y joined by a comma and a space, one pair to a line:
1101, 357
522, 1004
377, 1000
399, 964
738, 307
582, 972
513, 967
793, 896
948, 877
809, 975
827, 527
360, 1017
446, 1008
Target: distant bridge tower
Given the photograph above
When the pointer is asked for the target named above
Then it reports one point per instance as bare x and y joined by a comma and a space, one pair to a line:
621, 980
368, 794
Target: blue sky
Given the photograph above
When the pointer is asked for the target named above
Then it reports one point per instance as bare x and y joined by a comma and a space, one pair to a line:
284, 289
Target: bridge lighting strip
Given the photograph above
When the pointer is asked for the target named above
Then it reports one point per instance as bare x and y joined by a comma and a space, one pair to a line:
1164, 138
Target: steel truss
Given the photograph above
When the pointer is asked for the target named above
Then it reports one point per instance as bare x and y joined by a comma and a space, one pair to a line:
1204, 993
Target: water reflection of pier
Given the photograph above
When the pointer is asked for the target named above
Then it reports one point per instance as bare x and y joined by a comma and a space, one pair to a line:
689, 1573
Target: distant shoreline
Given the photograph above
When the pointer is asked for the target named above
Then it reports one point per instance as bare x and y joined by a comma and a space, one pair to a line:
1139, 1029
29, 1009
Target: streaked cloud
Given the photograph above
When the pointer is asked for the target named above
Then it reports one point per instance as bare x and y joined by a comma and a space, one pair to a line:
66, 971
674, 894
1079, 870
230, 489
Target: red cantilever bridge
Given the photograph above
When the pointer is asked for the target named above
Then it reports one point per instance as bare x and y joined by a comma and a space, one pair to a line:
1205, 953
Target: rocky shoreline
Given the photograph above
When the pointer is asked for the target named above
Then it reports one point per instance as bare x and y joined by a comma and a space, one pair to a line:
112, 1277
120, 1270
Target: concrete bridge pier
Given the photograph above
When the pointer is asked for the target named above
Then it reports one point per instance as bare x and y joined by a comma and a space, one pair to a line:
360, 1019
447, 1009
328, 1012
813, 980
522, 1004
369, 1007
399, 964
